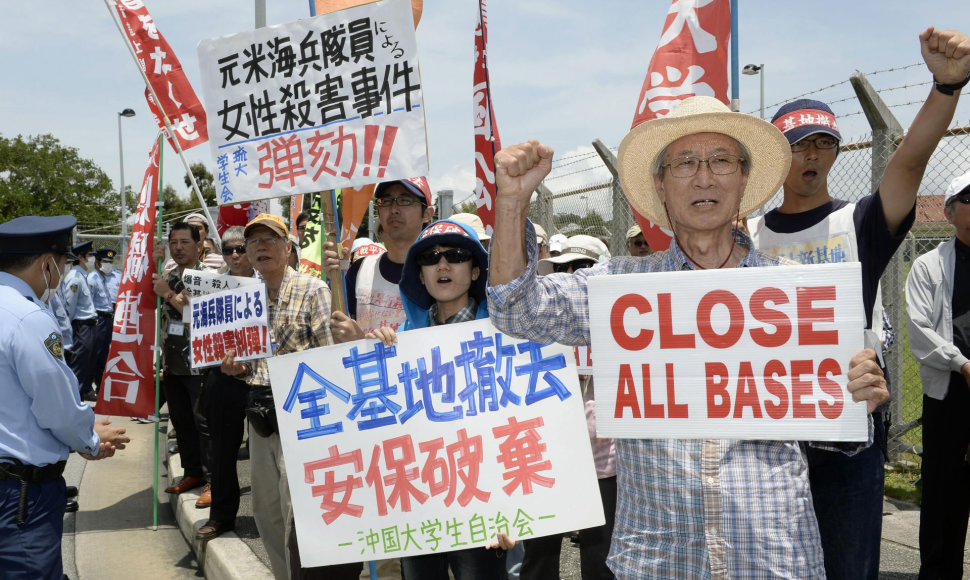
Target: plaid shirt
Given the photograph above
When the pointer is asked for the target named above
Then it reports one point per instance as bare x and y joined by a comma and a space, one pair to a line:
466, 314
299, 319
685, 508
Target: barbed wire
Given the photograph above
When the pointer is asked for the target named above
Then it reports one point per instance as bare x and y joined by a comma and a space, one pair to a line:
557, 165
554, 177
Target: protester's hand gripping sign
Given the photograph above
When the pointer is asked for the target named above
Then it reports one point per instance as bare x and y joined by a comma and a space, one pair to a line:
322, 103
232, 319
748, 353
453, 435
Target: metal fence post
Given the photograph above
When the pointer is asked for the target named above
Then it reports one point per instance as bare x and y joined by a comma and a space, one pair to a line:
622, 214
543, 205
886, 134
446, 199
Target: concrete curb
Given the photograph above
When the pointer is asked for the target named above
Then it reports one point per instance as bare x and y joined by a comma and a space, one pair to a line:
224, 558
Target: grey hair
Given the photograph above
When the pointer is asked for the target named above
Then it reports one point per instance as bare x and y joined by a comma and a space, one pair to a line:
234, 234
658, 162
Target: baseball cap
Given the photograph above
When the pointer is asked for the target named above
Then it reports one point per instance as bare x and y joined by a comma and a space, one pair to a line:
633, 232
804, 117
415, 185
578, 247
196, 217
556, 242
470, 219
957, 186
541, 236
273, 222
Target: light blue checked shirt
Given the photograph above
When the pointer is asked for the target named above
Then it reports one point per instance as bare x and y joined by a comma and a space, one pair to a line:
685, 508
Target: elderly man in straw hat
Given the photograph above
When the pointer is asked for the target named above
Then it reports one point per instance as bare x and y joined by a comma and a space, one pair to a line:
696, 172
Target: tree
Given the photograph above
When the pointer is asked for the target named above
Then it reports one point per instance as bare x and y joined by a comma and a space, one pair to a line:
206, 182
40, 176
176, 205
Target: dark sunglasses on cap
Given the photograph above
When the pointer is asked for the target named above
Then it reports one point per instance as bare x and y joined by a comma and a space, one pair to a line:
453, 256
228, 251
575, 265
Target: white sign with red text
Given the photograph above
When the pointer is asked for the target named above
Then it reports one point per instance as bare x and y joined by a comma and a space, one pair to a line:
326, 102
743, 353
454, 434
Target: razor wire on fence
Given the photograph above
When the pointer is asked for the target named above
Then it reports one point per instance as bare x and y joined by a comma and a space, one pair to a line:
580, 196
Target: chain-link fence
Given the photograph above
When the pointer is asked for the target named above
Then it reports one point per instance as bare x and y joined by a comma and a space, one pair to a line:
582, 196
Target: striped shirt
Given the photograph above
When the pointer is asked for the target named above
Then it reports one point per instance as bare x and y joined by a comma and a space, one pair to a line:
299, 319
685, 508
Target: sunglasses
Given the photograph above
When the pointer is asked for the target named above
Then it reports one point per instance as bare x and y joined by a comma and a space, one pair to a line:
639, 244
453, 256
963, 198
572, 266
228, 251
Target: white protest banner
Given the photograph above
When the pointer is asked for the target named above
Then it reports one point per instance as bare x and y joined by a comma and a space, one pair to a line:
201, 283
746, 353
321, 103
584, 360
231, 319
437, 444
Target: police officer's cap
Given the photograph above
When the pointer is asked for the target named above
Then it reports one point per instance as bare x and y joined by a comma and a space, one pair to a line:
83, 248
105, 254
37, 235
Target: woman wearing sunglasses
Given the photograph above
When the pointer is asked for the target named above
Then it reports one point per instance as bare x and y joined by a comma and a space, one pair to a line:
443, 282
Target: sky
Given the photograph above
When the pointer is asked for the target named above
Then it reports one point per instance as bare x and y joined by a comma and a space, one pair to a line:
562, 71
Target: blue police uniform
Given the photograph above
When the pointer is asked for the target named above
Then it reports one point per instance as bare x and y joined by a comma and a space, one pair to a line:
84, 319
63, 322
41, 418
114, 286
104, 306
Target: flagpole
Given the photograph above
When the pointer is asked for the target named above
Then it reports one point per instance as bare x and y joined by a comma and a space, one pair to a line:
165, 120
735, 89
159, 205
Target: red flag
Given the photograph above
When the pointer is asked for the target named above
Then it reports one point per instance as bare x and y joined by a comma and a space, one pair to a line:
232, 215
486, 131
691, 59
164, 73
128, 386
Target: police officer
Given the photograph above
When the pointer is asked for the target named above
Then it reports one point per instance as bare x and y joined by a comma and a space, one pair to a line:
98, 282
42, 417
80, 309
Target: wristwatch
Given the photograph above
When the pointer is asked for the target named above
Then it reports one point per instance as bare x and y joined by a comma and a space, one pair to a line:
949, 89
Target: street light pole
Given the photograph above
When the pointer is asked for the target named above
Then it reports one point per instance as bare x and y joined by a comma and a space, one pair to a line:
754, 69
124, 212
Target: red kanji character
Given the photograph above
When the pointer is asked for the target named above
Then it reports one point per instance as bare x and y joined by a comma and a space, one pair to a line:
197, 356
241, 349
335, 495
330, 146
286, 156
252, 338
465, 460
433, 464
375, 480
400, 481
207, 348
521, 453
218, 350
229, 339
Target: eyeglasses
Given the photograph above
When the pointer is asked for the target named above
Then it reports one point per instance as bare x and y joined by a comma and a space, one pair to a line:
453, 256
267, 240
402, 201
822, 142
573, 266
963, 198
639, 244
720, 164
227, 251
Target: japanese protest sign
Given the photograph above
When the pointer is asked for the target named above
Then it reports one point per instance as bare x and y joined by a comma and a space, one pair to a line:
321, 103
690, 60
231, 319
128, 386
163, 71
487, 141
201, 283
584, 360
438, 443
311, 249
747, 353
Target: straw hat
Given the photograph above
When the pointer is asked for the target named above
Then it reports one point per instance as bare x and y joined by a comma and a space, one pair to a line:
769, 151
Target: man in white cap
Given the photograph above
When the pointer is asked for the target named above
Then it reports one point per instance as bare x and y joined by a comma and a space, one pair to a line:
556, 243
938, 305
685, 508
636, 244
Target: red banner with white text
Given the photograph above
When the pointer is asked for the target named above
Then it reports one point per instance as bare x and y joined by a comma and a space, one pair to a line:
691, 59
164, 73
486, 131
128, 386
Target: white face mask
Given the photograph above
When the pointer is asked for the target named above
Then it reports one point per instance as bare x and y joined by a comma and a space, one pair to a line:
89, 264
50, 288
106, 268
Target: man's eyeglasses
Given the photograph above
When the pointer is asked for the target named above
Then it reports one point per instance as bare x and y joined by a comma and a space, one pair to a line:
251, 242
823, 142
453, 256
573, 266
720, 164
963, 198
402, 201
228, 251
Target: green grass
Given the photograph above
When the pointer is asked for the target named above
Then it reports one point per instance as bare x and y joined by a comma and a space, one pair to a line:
901, 484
